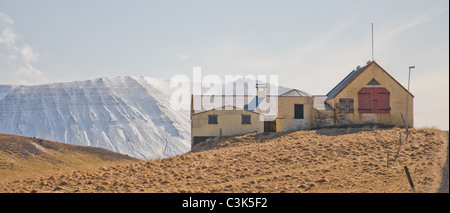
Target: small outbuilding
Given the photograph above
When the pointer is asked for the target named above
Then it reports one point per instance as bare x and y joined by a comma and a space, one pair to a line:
294, 111
224, 121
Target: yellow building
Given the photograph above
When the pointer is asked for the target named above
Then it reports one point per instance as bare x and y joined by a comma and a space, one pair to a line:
293, 111
225, 121
367, 95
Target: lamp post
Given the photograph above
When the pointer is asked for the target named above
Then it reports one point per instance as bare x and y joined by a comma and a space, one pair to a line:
407, 95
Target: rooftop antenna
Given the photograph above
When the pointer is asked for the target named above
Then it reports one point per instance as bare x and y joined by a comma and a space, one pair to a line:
372, 41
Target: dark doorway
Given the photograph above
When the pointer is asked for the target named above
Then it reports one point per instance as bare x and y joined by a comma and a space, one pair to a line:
298, 111
270, 126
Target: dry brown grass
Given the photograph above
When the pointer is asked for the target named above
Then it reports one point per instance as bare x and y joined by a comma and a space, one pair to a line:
27, 157
302, 161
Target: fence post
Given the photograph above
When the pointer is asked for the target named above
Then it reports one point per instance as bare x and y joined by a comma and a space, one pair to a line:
399, 146
409, 178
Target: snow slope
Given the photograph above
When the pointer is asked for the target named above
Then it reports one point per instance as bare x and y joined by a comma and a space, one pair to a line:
129, 115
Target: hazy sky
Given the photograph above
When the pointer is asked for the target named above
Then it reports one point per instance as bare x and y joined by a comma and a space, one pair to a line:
311, 45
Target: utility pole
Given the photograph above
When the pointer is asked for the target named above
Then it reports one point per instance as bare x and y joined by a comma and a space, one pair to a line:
407, 96
372, 42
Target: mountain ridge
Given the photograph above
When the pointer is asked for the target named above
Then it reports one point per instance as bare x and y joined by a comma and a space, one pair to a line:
127, 114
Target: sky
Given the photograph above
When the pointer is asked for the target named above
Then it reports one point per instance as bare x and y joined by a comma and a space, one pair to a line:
310, 45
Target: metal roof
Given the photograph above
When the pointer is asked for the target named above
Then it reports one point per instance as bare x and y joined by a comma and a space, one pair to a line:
294, 92
338, 88
344, 82
226, 107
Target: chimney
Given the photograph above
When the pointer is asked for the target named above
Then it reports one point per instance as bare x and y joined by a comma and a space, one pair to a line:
260, 93
358, 67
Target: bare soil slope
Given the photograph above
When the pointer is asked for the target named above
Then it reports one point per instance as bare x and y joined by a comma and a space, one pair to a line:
445, 179
24, 156
329, 160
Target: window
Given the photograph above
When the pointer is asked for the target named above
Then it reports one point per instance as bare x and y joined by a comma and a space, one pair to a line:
373, 82
346, 105
374, 100
246, 119
298, 111
212, 119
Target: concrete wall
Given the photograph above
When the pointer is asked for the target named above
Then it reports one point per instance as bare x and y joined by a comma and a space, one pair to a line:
323, 118
398, 96
229, 122
285, 119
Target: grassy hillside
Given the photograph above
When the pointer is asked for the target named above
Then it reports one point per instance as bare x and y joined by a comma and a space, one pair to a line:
327, 160
24, 157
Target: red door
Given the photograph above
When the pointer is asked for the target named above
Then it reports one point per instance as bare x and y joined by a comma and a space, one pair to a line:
381, 99
373, 100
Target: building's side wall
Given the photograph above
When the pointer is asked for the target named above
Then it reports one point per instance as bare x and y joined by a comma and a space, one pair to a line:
229, 123
285, 119
398, 96
323, 118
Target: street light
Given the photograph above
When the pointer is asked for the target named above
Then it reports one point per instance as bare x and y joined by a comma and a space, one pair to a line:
407, 96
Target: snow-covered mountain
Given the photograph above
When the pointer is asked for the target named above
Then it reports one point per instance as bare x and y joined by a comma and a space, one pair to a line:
129, 115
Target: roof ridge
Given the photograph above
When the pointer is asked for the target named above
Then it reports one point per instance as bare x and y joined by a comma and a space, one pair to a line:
299, 92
